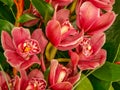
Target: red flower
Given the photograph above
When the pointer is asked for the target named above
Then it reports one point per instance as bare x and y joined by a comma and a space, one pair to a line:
13, 83
89, 54
61, 33
60, 77
21, 50
34, 81
59, 2
91, 19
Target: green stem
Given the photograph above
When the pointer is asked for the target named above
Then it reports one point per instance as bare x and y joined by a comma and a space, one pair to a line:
5, 76
83, 78
13, 13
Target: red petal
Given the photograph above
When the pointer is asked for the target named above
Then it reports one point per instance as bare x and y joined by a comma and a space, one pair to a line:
53, 68
87, 15
27, 63
97, 41
62, 86
20, 34
93, 61
103, 23
62, 15
6, 41
36, 73
39, 36
13, 58
53, 32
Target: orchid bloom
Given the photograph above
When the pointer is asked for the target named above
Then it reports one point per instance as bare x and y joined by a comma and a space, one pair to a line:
13, 83
34, 80
59, 77
89, 54
91, 19
59, 2
61, 33
21, 50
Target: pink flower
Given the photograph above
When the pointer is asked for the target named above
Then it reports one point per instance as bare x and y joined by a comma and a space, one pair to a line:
13, 83
89, 54
60, 77
59, 2
34, 81
21, 50
103, 4
91, 19
61, 33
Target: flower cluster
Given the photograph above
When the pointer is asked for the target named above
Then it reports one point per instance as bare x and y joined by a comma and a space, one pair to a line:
82, 40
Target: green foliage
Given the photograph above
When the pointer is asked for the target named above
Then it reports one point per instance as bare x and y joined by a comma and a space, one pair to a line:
8, 2
44, 8
85, 84
26, 17
108, 72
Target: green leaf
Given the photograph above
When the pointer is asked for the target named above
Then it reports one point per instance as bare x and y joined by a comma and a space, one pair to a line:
85, 84
44, 9
8, 2
108, 72
26, 17
6, 13
5, 25
100, 84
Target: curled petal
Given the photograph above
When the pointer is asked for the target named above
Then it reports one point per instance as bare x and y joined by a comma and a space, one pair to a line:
53, 68
7, 41
97, 41
27, 63
93, 61
87, 15
39, 36
13, 58
62, 86
104, 4
103, 22
53, 32
20, 35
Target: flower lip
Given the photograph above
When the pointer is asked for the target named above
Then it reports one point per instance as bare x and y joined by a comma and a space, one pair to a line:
28, 48
36, 84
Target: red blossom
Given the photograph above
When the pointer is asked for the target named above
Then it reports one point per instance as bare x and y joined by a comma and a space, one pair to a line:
21, 50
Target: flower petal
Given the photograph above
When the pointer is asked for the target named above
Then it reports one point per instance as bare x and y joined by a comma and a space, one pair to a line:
27, 63
103, 23
13, 58
62, 86
93, 61
62, 15
53, 32
39, 36
36, 73
7, 41
20, 34
97, 41
53, 68
87, 15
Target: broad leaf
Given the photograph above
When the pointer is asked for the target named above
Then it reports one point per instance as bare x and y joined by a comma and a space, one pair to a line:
85, 84
44, 9
8, 2
5, 25
26, 17
108, 72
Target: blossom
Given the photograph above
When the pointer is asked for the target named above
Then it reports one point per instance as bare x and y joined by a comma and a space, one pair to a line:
33, 81
61, 33
89, 54
59, 2
60, 77
91, 19
13, 83
21, 50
